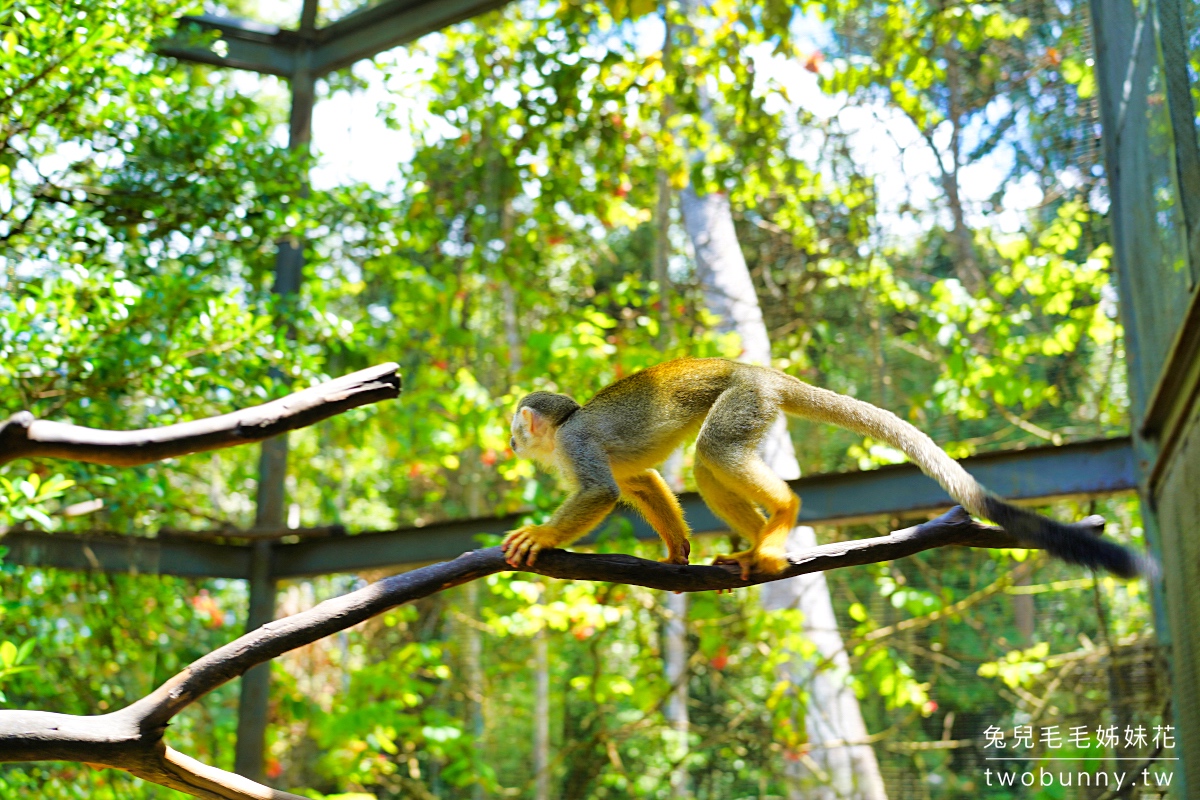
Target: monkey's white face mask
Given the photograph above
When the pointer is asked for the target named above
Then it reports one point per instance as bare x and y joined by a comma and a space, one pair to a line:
532, 436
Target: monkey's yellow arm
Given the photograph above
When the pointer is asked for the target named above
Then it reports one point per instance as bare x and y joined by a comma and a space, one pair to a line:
653, 498
595, 496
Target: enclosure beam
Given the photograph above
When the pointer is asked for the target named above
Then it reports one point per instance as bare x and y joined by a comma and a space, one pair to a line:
1087, 469
1043, 474
270, 50
1179, 382
241, 44
369, 31
164, 555
1153, 171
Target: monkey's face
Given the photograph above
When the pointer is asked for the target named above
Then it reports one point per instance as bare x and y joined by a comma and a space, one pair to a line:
532, 435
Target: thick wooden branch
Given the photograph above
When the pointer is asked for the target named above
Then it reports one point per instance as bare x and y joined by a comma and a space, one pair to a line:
22, 436
131, 738
278, 637
178, 771
955, 527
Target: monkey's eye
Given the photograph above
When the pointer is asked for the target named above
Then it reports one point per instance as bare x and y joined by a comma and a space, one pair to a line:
512, 442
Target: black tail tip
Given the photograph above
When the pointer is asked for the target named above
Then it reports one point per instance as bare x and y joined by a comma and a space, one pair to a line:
1080, 543
1116, 558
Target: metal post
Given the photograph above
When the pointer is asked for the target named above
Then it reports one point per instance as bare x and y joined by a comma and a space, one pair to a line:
1154, 294
272, 464
256, 683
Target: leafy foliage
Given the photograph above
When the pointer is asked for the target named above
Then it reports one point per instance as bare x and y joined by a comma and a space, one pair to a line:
141, 201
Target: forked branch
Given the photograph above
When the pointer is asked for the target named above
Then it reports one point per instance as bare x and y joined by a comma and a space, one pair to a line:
132, 738
22, 436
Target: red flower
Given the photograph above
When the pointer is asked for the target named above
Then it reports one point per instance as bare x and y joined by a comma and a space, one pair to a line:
204, 603
721, 659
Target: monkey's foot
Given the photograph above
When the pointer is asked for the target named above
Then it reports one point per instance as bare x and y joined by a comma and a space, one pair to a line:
744, 560
678, 556
522, 545
755, 561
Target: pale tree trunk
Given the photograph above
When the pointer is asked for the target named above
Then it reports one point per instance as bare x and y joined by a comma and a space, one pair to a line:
508, 296
541, 716
473, 667
833, 720
675, 655
662, 247
662, 228
967, 265
833, 716
675, 658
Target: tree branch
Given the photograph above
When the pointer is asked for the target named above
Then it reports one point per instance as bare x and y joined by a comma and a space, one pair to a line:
132, 738
21, 436
189, 775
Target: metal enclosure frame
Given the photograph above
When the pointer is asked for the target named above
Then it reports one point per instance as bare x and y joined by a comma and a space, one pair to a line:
1153, 168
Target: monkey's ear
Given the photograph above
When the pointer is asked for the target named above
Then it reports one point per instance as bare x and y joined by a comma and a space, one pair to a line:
535, 421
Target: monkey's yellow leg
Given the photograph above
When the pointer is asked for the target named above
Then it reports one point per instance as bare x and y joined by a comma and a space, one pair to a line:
650, 495
727, 445
578, 514
731, 508
754, 479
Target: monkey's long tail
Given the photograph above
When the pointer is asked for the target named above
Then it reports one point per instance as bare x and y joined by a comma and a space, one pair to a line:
1071, 542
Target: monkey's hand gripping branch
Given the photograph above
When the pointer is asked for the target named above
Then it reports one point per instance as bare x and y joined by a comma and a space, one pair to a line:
578, 514
522, 545
132, 738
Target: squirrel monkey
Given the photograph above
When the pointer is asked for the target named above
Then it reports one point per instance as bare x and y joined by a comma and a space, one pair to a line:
605, 451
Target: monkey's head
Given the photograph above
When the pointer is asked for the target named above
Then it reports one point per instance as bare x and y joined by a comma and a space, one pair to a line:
538, 417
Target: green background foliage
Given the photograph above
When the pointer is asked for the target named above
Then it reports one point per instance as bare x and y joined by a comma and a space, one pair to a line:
141, 201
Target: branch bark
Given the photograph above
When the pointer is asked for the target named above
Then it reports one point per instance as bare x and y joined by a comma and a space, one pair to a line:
22, 436
132, 738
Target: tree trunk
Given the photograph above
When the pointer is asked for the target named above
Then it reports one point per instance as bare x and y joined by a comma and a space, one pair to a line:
967, 265
675, 657
473, 667
541, 716
662, 216
833, 716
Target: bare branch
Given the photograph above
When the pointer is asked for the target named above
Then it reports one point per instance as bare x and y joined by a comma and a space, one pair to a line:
21, 436
955, 527
131, 738
191, 776
278, 637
